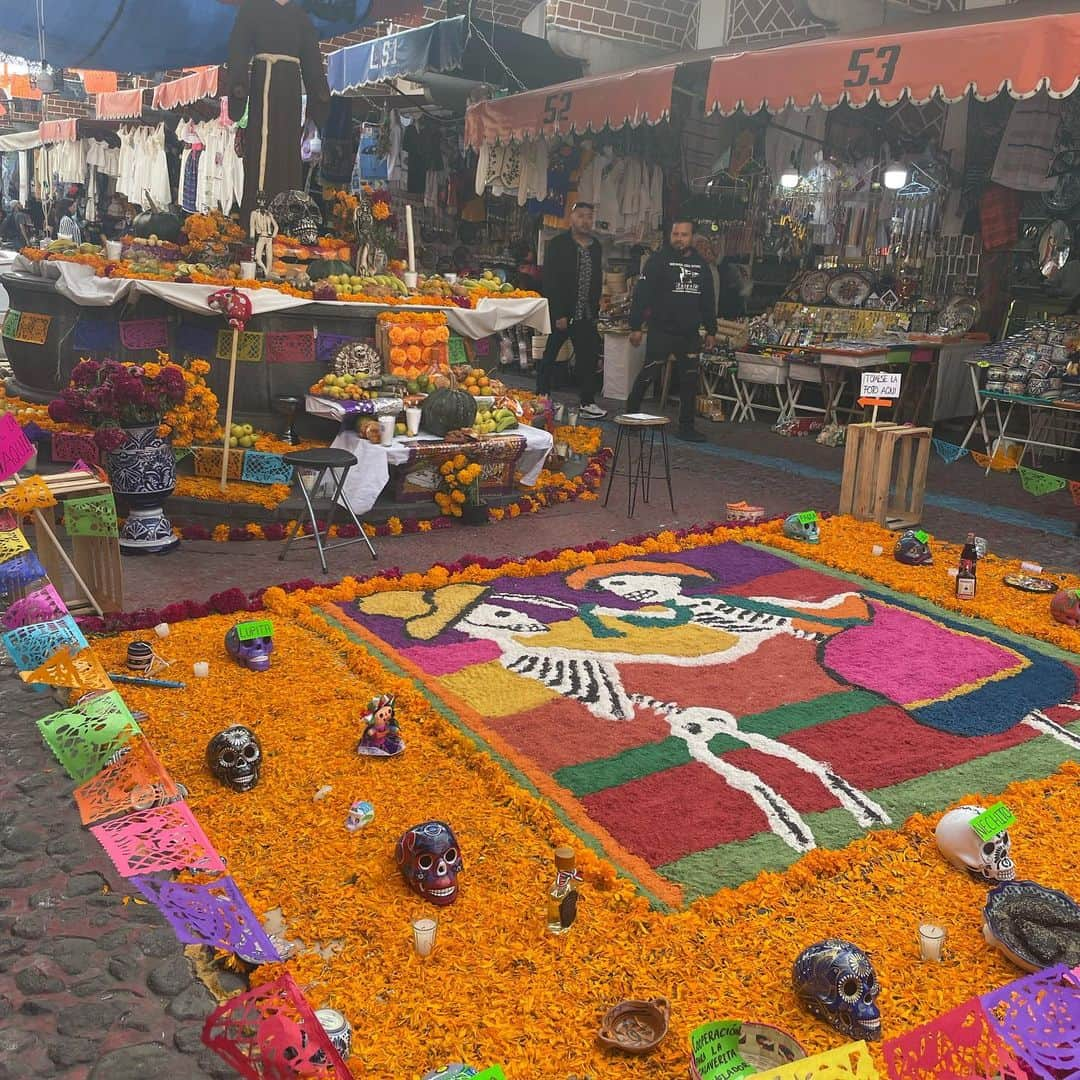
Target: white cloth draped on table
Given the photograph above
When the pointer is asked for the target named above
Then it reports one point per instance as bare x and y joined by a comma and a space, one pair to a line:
372, 471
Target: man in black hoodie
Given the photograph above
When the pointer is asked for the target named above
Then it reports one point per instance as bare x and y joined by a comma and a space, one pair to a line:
572, 285
675, 294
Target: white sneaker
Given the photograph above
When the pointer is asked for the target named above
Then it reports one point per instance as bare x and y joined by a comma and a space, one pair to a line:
593, 412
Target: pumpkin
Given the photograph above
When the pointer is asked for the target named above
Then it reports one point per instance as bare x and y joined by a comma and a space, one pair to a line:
155, 222
447, 410
324, 268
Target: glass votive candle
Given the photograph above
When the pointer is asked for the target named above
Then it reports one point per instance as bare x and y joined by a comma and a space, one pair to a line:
201, 669
423, 931
931, 941
162, 630
877, 549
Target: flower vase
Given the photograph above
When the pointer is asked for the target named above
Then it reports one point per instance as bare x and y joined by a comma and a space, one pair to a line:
475, 514
143, 475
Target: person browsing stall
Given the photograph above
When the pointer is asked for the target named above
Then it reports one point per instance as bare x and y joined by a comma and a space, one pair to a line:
572, 284
675, 294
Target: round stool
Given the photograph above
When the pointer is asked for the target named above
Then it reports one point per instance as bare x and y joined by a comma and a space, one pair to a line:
323, 462
643, 429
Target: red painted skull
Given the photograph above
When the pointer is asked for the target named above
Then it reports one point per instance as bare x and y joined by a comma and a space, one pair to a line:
429, 859
1065, 607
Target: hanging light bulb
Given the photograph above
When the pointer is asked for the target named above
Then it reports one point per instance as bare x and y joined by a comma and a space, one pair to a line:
789, 178
896, 175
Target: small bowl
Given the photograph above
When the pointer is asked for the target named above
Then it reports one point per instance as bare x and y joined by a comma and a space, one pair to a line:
636, 1027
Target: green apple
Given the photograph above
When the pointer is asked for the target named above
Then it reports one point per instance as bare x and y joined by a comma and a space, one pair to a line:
247, 429
233, 442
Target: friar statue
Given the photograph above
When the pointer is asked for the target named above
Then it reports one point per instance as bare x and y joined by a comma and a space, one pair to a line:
273, 47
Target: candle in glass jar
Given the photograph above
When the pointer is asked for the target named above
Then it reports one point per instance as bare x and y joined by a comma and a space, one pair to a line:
409, 238
931, 941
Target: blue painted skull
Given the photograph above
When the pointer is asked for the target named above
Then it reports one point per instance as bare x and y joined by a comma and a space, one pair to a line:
912, 551
253, 654
836, 982
801, 530
429, 859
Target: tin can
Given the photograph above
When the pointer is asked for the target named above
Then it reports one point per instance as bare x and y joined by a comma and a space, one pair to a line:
338, 1030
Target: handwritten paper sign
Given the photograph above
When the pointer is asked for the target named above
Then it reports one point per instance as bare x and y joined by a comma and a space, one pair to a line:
493, 1073
246, 631
714, 1051
922, 536
993, 822
880, 384
808, 517
15, 448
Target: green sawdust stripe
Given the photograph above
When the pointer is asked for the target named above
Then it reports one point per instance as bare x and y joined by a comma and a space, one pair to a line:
451, 716
705, 872
589, 777
918, 603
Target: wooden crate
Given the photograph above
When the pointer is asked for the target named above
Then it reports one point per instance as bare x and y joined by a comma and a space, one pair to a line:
97, 558
884, 478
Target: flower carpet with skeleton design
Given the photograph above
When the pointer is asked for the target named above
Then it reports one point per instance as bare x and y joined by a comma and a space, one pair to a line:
766, 706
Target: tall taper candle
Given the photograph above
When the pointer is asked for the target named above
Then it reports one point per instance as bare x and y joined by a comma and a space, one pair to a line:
409, 235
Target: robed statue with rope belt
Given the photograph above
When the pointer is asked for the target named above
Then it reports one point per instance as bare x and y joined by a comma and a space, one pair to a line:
273, 47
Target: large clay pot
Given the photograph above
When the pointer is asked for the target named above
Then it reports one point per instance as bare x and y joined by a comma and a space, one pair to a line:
143, 475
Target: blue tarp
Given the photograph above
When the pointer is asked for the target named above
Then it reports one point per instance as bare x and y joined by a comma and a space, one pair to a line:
145, 35
438, 46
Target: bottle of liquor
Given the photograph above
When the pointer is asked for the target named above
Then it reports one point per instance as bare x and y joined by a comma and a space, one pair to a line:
563, 895
965, 577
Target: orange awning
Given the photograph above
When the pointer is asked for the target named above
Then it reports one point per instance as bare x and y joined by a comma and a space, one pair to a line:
631, 97
97, 82
1021, 56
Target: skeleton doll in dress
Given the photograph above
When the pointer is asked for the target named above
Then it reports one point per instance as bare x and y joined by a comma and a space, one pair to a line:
363, 220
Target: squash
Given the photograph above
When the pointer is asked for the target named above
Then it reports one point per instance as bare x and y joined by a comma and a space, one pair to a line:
447, 410
155, 222
324, 268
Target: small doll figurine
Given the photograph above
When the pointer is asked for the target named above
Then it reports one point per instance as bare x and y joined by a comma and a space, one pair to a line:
381, 737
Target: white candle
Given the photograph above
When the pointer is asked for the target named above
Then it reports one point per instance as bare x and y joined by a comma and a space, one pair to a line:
201, 669
424, 931
409, 236
162, 629
877, 549
931, 940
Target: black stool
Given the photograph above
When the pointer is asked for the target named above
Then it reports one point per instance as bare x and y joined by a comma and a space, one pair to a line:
644, 428
323, 462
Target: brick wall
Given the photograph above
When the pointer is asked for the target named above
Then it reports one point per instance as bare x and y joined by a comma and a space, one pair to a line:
649, 22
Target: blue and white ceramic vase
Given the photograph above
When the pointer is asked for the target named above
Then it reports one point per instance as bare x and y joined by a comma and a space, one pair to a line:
143, 475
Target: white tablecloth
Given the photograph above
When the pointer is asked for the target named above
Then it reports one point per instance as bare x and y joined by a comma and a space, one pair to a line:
372, 470
82, 286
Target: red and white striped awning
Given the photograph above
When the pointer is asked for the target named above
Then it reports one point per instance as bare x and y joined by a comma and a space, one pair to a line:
592, 104
1021, 56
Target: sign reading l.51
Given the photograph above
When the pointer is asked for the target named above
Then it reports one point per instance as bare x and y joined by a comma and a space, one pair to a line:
880, 384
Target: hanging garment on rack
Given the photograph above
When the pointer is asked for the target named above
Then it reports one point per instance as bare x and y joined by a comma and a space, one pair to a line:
534, 171
1027, 147
69, 161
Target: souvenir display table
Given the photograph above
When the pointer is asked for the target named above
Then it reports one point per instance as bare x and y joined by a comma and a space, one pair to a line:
524, 449
1047, 425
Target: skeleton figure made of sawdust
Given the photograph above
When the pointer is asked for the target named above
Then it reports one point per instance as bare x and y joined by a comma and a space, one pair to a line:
989, 860
835, 980
235, 757
429, 859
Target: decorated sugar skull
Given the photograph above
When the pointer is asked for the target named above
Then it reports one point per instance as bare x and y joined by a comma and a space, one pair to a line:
429, 859
962, 846
802, 527
835, 980
235, 757
253, 653
1065, 606
912, 550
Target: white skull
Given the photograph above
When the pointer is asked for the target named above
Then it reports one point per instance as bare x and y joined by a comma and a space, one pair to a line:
961, 846
494, 621
643, 588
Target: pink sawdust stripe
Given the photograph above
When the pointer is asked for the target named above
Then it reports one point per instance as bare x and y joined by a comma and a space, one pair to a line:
448, 659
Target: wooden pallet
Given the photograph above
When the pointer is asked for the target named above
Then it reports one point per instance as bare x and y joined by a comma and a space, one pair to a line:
95, 558
884, 478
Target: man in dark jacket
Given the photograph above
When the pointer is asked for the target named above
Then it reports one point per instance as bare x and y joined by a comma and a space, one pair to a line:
675, 293
572, 285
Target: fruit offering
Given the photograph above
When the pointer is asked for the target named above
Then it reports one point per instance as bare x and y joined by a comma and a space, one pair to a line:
380, 285
342, 388
494, 421
242, 435
474, 381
